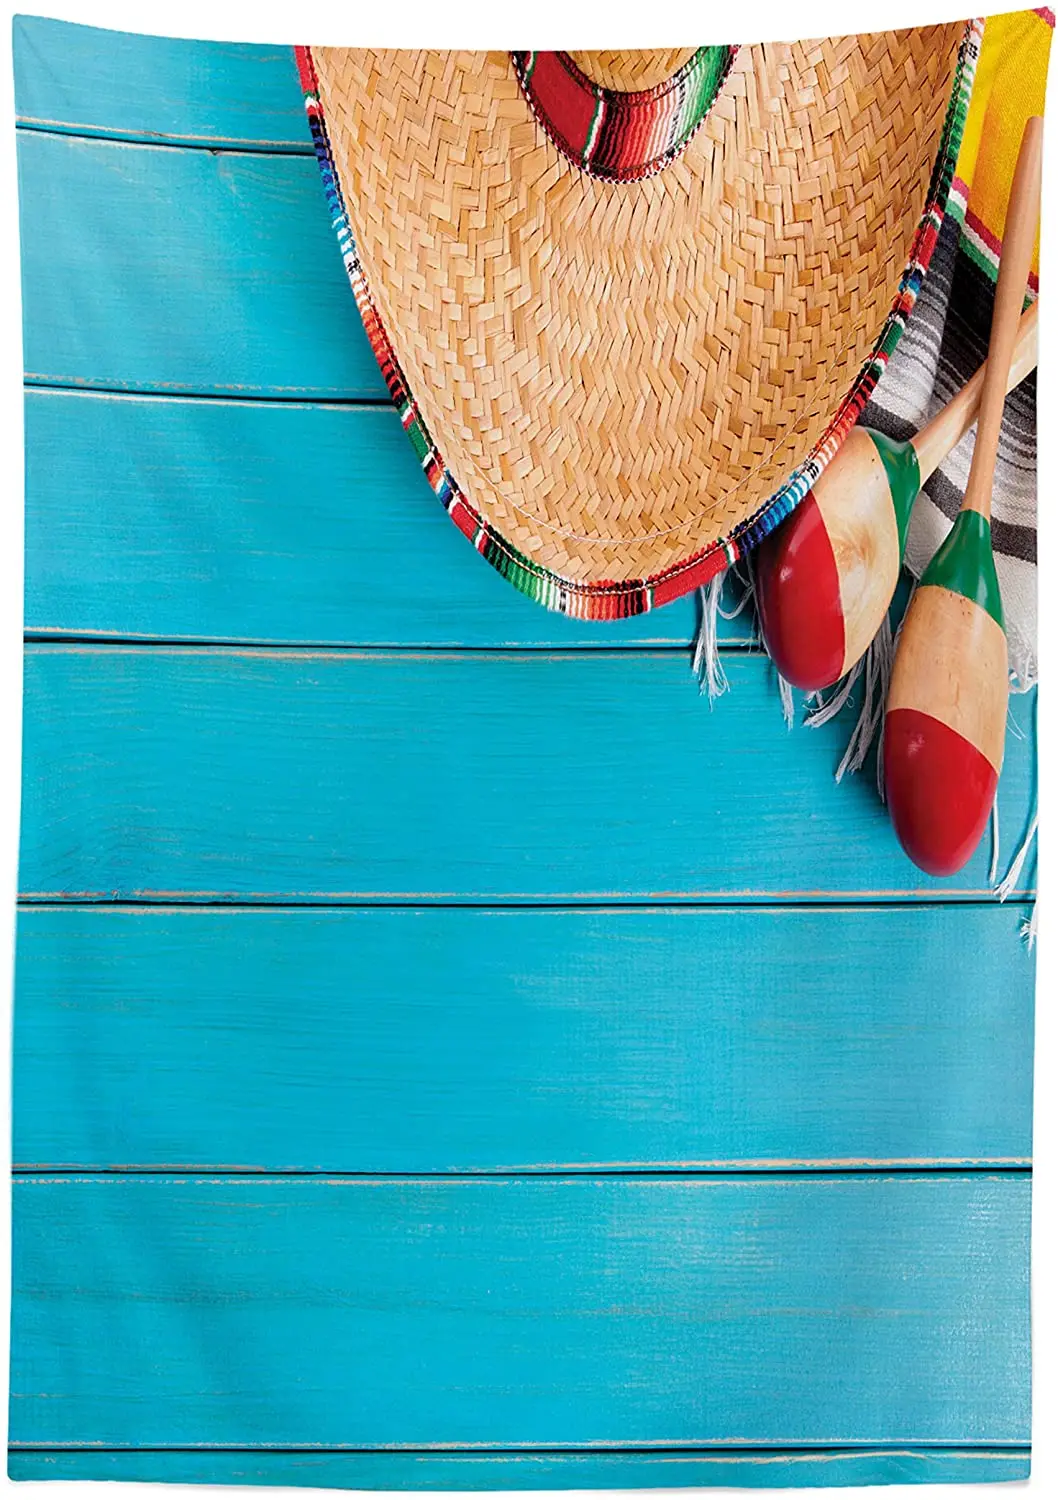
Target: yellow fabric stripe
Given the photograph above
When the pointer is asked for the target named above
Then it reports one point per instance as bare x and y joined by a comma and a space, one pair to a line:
1009, 86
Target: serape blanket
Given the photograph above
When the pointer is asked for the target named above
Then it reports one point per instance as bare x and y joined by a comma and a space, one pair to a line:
947, 335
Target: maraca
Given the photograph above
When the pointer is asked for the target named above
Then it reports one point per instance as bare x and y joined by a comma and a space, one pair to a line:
945, 718
826, 576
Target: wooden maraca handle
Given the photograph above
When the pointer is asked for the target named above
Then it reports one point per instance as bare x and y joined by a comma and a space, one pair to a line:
951, 424
1019, 241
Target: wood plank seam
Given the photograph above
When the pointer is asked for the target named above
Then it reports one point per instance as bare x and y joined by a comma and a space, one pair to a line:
1000, 1166
211, 146
215, 145
73, 387
448, 901
484, 1449
541, 1470
241, 647
173, 391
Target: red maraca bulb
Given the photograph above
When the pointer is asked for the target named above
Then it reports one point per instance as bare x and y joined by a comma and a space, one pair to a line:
945, 721
826, 576
939, 788
799, 599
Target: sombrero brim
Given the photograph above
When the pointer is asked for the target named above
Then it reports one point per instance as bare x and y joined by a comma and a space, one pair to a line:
479, 388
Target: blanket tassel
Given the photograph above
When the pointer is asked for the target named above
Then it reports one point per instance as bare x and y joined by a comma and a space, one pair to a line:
786, 698
875, 668
745, 577
1029, 929
993, 868
1009, 884
705, 661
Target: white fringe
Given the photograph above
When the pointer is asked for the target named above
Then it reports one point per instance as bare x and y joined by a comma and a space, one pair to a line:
706, 663
786, 698
875, 667
993, 868
1029, 929
786, 691
746, 580
1009, 884
828, 708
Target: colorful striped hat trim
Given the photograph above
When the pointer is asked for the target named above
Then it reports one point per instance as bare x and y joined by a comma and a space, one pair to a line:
606, 600
615, 136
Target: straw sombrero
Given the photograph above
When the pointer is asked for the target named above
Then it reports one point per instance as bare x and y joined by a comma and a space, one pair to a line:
628, 304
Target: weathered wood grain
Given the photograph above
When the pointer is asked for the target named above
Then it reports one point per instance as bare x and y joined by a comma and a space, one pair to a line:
382, 1040
88, 81
220, 774
768, 1315
184, 518
764, 1468
597, 1312
153, 268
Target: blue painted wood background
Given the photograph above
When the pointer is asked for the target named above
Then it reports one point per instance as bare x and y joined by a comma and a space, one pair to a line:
446, 1053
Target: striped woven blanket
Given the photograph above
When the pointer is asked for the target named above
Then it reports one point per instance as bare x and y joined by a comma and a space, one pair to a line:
947, 335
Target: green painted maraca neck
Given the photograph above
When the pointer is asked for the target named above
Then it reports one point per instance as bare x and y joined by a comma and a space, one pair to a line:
964, 563
900, 462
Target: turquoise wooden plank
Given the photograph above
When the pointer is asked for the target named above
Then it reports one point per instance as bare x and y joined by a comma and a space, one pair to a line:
213, 774
534, 1471
454, 1039
555, 1312
154, 268
184, 518
117, 83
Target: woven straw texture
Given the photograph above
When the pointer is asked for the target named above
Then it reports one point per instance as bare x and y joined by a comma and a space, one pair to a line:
629, 72
618, 375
